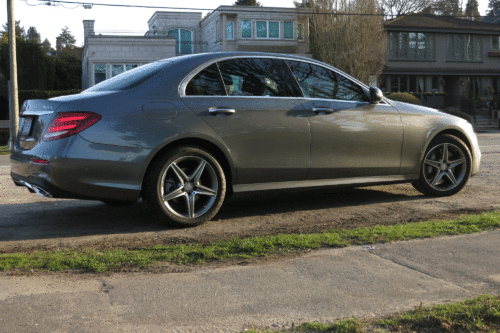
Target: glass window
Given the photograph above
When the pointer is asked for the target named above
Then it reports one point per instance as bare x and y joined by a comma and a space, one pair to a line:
132, 79
206, 83
99, 73
129, 67
274, 30
495, 42
116, 70
261, 29
464, 48
288, 29
229, 30
183, 40
300, 31
319, 82
411, 46
246, 29
255, 77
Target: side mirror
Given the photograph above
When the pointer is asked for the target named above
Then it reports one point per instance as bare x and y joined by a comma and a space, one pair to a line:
376, 95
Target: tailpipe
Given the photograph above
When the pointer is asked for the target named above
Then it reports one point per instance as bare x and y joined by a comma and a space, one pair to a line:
36, 189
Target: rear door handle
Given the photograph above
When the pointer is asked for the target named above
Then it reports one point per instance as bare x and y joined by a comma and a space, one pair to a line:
322, 111
221, 111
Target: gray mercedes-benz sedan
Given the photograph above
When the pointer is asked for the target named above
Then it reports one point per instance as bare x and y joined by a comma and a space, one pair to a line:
185, 132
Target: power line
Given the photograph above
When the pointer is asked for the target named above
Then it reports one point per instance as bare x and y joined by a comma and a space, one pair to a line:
236, 10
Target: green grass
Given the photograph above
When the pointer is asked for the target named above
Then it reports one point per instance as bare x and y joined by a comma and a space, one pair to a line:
4, 151
93, 260
481, 314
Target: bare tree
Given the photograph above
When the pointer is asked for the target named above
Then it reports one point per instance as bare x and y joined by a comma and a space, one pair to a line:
353, 43
395, 8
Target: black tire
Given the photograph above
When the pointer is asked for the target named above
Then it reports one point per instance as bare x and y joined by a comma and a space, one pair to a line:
194, 196
446, 167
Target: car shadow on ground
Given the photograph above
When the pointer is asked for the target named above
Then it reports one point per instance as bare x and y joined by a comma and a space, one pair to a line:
76, 218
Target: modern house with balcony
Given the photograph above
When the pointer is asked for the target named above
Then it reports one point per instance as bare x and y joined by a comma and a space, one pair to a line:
170, 34
442, 55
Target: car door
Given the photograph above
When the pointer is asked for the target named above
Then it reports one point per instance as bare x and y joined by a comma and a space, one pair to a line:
251, 106
349, 136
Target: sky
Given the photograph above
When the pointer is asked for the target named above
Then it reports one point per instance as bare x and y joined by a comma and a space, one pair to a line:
50, 20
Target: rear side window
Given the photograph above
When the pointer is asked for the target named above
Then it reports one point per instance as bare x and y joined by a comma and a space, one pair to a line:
206, 83
255, 77
319, 82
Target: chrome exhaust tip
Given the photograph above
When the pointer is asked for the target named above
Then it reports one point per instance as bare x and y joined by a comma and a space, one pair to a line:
36, 189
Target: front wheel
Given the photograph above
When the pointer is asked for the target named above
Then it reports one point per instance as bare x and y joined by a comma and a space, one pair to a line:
184, 188
446, 167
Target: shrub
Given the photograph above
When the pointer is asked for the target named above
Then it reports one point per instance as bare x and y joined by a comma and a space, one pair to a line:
404, 97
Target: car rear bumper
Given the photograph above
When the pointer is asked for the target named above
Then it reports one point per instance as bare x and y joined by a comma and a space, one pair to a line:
79, 169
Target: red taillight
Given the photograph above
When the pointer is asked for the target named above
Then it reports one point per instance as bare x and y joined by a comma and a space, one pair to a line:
40, 161
70, 123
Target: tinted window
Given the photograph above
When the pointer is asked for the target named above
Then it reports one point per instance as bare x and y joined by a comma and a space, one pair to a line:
319, 82
206, 82
254, 77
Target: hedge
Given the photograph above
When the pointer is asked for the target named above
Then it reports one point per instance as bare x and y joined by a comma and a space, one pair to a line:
404, 97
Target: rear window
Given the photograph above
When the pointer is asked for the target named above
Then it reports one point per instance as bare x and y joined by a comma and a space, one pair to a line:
131, 78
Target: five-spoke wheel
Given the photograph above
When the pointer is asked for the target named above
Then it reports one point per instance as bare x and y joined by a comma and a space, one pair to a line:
446, 167
186, 187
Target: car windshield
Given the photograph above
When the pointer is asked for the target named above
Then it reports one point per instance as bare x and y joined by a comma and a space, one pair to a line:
131, 78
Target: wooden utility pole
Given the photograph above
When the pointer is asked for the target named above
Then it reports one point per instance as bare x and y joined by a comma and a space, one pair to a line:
13, 95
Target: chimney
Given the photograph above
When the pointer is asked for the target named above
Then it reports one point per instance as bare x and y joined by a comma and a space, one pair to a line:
88, 29
58, 46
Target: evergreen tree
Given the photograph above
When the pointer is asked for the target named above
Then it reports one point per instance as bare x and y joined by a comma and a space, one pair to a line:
471, 10
447, 8
33, 35
68, 40
247, 3
492, 6
20, 33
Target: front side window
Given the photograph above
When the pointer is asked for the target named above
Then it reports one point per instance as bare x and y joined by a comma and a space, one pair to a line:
411, 46
495, 42
229, 30
318, 82
255, 77
99, 73
206, 83
246, 29
288, 29
183, 40
268, 29
464, 48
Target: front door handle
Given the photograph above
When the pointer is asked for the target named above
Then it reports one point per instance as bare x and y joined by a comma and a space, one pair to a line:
221, 111
322, 111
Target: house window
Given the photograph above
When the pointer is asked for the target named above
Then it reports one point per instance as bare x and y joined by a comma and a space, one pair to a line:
229, 30
300, 31
183, 42
99, 73
411, 46
495, 42
464, 48
268, 29
116, 70
129, 67
288, 29
246, 29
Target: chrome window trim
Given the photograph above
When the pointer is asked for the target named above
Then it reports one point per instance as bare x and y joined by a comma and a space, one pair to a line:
194, 72
324, 182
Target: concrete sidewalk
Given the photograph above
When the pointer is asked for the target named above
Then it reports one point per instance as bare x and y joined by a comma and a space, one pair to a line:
322, 286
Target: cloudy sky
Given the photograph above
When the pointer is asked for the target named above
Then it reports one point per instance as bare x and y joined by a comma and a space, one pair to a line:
49, 20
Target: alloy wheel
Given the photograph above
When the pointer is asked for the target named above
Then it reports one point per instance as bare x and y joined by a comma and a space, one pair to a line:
445, 167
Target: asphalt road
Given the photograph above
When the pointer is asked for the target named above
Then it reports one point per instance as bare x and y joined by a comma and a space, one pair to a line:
323, 286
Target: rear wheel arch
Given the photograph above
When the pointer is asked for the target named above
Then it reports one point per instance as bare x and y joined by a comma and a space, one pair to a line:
221, 157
